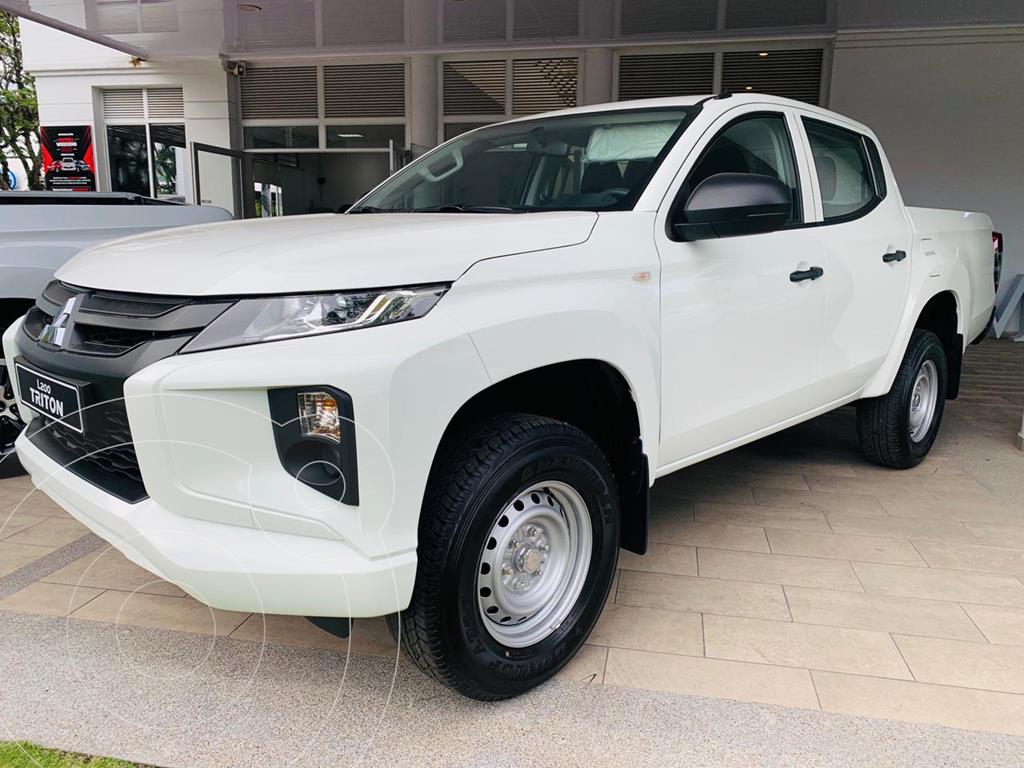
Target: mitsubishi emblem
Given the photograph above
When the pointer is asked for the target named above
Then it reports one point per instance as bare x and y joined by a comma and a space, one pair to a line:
55, 331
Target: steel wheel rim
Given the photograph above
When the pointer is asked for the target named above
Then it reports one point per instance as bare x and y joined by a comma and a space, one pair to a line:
534, 563
923, 399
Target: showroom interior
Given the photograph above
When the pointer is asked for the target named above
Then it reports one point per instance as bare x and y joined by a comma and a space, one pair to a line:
797, 605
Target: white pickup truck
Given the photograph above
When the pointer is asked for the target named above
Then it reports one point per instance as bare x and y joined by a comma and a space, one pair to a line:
448, 405
39, 231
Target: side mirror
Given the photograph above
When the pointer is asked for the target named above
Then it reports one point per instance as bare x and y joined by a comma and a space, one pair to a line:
733, 204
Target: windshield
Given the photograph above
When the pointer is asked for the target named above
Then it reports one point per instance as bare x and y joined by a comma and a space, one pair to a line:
594, 162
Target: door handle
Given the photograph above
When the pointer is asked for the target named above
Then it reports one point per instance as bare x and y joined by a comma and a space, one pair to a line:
813, 273
894, 256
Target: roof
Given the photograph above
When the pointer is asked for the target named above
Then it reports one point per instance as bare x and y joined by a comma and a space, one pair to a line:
736, 99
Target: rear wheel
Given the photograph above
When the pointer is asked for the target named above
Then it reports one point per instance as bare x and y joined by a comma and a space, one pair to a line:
10, 426
517, 549
898, 429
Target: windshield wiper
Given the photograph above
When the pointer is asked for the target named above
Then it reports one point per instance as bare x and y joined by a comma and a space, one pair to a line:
370, 209
459, 208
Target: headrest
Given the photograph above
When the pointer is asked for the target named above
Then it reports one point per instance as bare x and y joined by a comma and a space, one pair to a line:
601, 176
635, 171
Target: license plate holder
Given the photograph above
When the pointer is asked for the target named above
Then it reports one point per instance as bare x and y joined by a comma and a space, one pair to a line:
52, 396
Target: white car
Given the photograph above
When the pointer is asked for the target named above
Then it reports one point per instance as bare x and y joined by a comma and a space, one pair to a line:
448, 405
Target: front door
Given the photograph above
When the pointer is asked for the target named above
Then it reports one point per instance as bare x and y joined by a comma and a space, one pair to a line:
740, 334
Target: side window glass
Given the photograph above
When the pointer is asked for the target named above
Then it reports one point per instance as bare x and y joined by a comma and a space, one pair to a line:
844, 170
757, 144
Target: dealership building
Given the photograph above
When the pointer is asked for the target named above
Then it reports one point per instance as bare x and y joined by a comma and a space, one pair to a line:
279, 107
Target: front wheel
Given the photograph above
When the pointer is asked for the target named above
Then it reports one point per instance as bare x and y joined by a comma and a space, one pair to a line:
518, 543
10, 426
898, 429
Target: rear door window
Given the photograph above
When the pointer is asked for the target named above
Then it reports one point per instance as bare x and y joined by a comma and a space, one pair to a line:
846, 176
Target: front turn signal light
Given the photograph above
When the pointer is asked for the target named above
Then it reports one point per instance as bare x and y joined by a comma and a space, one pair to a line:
319, 416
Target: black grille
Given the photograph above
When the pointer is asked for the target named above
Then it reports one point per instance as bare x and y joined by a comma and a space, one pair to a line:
103, 453
99, 340
109, 323
35, 321
107, 337
109, 448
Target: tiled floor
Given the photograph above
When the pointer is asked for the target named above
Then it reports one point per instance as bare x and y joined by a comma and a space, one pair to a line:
789, 572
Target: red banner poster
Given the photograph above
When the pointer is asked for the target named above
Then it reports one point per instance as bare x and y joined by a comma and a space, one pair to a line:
69, 164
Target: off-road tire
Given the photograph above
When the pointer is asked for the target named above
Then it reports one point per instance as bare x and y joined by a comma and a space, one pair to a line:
883, 423
443, 630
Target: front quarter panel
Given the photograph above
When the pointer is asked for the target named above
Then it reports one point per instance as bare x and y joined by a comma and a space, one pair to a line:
594, 301
205, 440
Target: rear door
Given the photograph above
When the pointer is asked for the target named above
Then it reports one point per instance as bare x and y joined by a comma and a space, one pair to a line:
740, 338
867, 238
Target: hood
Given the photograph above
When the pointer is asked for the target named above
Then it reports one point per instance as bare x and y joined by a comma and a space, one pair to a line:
325, 252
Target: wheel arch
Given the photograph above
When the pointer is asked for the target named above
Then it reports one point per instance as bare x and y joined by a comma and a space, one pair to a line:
941, 312
942, 316
592, 395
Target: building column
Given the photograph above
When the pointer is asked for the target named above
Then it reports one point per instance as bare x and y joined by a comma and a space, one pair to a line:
423, 25
423, 92
597, 75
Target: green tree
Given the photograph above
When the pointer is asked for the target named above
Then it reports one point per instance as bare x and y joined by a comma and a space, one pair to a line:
19, 108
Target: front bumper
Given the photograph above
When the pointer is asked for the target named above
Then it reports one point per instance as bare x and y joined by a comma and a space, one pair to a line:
226, 522
230, 567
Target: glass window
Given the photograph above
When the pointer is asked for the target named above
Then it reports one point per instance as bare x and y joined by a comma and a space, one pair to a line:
843, 167
282, 137
758, 144
132, 149
594, 161
365, 136
129, 159
169, 161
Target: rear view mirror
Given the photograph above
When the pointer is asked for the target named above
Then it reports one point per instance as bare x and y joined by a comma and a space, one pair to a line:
733, 204
549, 149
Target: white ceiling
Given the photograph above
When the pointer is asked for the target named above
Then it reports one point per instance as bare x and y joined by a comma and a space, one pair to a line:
262, 28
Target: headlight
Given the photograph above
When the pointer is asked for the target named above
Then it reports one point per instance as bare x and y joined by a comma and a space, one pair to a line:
251, 321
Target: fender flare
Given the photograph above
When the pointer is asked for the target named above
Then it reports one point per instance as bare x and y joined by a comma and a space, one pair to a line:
881, 383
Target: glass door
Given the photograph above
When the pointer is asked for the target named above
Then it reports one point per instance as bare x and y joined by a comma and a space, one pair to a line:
218, 177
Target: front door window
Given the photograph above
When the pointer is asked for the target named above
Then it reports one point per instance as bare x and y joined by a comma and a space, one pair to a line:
757, 144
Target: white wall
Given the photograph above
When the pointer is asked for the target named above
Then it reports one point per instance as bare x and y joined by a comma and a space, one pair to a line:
949, 110
70, 72
918, 13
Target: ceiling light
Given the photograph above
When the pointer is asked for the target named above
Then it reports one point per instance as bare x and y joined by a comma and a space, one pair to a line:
763, 54
750, 88
351, 136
